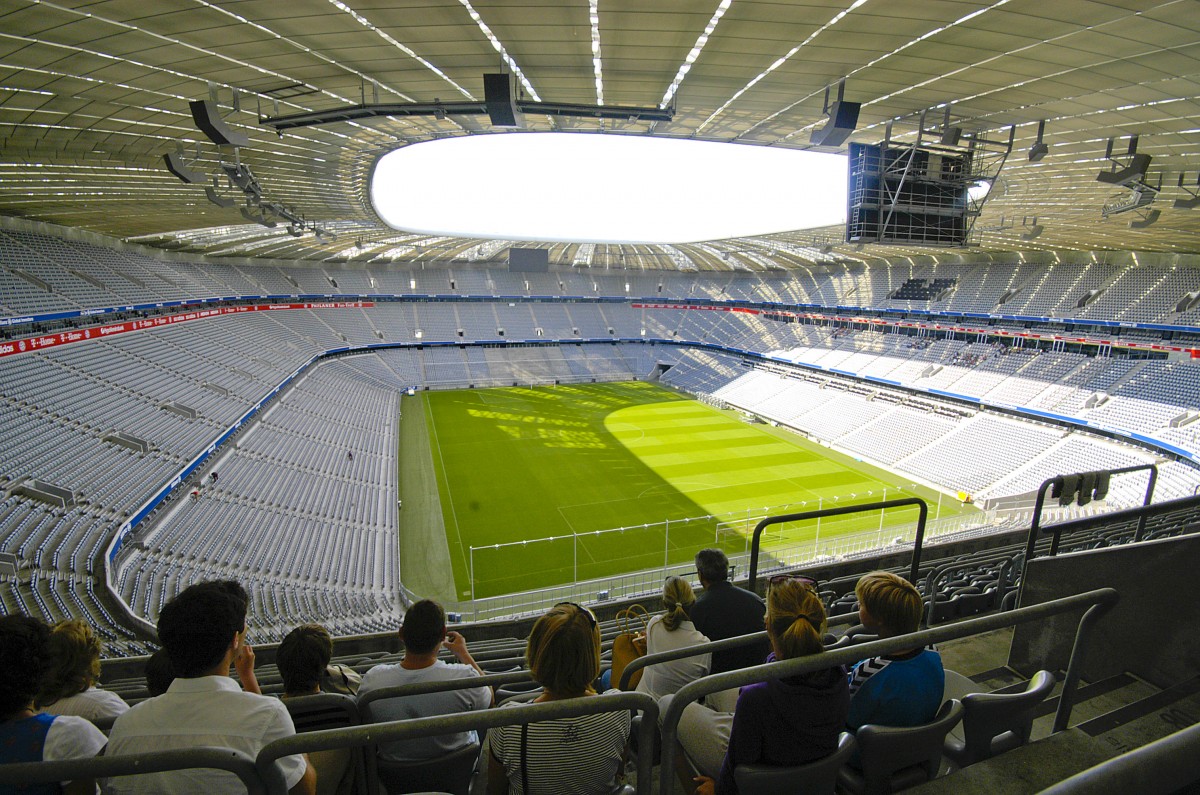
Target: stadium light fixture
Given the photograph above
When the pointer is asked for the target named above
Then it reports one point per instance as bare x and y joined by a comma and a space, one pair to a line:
640, 189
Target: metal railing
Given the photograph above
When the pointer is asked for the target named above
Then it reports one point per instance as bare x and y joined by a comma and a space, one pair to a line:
922, 517
1058, 483
649, 581
258, 780
1097, 602
393, 731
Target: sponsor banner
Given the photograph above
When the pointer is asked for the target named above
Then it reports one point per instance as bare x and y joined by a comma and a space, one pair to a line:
58, 339
704, 307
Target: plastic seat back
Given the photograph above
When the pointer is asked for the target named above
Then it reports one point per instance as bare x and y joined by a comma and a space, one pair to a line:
997, 722
450, 773
814, 778
330, 711
895, 758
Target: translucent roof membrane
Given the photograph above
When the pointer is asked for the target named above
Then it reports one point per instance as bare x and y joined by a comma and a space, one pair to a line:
598, 188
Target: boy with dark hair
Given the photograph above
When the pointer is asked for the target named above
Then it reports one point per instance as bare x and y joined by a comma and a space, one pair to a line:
901, 689
424, 634
203, 631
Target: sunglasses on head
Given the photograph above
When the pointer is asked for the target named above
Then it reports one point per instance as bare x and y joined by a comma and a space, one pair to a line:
591, 618
779, 579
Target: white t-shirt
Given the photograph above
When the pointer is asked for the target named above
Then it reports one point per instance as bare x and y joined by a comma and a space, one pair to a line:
447, 703
93, 704
666, 678
206, 710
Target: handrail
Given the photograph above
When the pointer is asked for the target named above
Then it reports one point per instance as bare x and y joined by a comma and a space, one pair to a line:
1057, 482
463, 683
1162, 767
258, 780
725, 644
841, 511
1097, 602
393, 731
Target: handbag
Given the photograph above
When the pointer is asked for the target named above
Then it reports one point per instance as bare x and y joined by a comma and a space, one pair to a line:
630, 644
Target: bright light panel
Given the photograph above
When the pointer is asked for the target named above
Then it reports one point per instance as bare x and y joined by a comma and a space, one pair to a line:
597, 188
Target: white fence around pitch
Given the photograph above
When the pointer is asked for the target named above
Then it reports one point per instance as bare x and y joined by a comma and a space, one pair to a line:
773, 556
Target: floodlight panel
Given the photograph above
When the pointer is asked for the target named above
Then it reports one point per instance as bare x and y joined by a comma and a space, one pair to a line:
605, 188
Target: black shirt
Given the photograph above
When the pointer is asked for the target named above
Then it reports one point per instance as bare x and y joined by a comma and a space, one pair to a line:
726, 611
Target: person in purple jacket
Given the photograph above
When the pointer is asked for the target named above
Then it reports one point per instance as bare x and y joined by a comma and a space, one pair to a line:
789, 721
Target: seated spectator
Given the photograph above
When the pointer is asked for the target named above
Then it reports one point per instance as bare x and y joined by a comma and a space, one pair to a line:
901, 689
726, 611
424, 634
669, 631
159, 673
582, 755
780, 721
26, 736
303, 658
70, 684
203, 631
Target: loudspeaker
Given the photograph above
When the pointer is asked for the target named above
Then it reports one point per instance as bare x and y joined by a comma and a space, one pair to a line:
500, 98
1133, 172
204, 113
177, 166
1038, 151
843, 118
218, 199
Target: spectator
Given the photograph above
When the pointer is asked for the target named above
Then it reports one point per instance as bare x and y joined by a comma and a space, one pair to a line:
673, 630
159, 673
582, 755
74, 667
304, 663
901, 689
26, 736
780, 721
424, 634
203, 631
303, 658
726, 611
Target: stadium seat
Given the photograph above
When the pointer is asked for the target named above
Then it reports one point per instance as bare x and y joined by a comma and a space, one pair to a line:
997, 722
815, 778
450, 773
896, 758
331, 711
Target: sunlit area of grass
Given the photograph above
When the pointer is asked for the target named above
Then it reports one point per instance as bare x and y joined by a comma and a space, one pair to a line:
533, 479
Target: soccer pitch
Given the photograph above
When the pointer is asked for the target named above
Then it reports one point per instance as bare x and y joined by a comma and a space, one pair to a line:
532, 464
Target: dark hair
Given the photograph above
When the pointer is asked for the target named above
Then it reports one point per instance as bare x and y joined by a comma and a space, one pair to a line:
424, 627
24, 659
159, 673
302, 658
197, 626
712, 565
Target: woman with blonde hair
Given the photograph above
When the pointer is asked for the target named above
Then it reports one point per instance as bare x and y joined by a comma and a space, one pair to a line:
581, 755
784, 722
74, 668
673, 629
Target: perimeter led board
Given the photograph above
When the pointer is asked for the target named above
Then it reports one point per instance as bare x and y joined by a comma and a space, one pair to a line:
605, 188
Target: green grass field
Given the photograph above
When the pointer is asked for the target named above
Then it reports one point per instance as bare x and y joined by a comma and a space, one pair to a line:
525, 464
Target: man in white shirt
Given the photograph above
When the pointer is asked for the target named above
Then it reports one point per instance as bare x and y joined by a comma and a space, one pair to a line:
424, 634
203, 630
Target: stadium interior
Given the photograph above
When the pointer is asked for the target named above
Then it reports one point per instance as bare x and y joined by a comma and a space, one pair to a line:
193, 279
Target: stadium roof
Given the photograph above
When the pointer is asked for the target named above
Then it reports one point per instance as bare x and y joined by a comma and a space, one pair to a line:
93, 94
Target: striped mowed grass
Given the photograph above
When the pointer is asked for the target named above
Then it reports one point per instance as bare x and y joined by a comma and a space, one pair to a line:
527, 476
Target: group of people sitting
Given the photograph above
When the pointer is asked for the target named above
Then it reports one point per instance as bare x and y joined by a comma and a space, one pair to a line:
48, 695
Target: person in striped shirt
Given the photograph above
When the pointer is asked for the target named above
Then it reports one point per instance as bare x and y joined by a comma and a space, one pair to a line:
568, 756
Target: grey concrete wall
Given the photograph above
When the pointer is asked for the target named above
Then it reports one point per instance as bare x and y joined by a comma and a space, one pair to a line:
1153, 632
